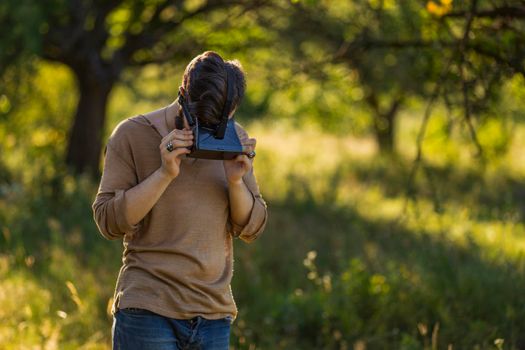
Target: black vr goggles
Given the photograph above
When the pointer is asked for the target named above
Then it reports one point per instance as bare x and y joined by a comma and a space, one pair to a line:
219, 142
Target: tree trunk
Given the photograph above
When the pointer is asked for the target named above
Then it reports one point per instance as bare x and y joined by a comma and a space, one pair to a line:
384, 123
384, 132
85, 136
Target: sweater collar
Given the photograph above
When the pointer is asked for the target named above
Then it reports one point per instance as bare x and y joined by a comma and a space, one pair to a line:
161, 120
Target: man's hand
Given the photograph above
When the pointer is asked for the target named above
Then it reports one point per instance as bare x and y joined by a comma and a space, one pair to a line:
171, 160
237, 167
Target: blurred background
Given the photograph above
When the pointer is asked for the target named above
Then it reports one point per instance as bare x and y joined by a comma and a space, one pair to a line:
391, 141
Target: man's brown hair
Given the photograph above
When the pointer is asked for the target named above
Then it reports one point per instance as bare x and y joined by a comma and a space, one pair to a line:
205, 85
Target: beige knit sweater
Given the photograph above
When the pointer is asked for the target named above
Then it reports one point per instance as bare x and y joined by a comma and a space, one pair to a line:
178, 261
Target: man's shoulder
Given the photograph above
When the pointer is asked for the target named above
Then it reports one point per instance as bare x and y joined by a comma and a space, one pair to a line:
129, 127
126, 132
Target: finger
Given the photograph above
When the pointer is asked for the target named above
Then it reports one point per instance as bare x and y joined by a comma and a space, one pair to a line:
177, 142
178, 134
246, 162
250, 142
248, 148
170, 135
181, 135
177, 152
176, 146
242, 158
235, 160
167, 154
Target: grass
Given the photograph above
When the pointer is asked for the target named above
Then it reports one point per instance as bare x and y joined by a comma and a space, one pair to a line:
353, 264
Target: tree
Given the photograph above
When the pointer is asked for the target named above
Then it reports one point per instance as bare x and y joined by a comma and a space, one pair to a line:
387, 77
97, 40
434, 49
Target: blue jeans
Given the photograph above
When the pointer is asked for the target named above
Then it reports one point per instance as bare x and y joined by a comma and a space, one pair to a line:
135, 328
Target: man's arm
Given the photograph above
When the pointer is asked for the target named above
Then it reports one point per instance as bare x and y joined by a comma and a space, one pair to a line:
141, 198
248, 209
241, 202
121, 203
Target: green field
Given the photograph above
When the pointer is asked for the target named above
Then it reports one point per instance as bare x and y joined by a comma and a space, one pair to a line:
349, 259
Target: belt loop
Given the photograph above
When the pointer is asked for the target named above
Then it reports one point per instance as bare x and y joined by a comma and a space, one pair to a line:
195, 320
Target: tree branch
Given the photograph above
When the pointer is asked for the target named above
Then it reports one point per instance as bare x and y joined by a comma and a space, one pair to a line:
156, 29
512, 12
464, 83
426, 117
186, 49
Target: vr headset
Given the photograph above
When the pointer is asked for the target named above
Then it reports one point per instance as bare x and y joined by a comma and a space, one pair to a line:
219, 142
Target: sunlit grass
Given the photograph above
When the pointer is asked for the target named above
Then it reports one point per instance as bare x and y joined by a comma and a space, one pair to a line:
47, 314
309, 164
331, 199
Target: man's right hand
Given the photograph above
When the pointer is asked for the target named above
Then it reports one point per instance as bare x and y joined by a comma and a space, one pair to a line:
171, 160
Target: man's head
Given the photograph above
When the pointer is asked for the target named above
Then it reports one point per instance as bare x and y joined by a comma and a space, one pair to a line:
205, 86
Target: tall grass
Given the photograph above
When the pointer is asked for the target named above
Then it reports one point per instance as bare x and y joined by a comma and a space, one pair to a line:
353, 256
346, 260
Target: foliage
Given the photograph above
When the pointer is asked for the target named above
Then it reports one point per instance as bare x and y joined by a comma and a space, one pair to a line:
345, 271
459, 52
361, 258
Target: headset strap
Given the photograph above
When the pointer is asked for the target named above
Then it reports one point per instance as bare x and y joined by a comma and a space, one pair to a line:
185, 110
221, 129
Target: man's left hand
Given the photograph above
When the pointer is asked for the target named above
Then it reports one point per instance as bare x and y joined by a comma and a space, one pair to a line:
237, 167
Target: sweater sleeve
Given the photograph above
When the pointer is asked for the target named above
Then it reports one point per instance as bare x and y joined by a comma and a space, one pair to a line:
110, 202
258, 216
